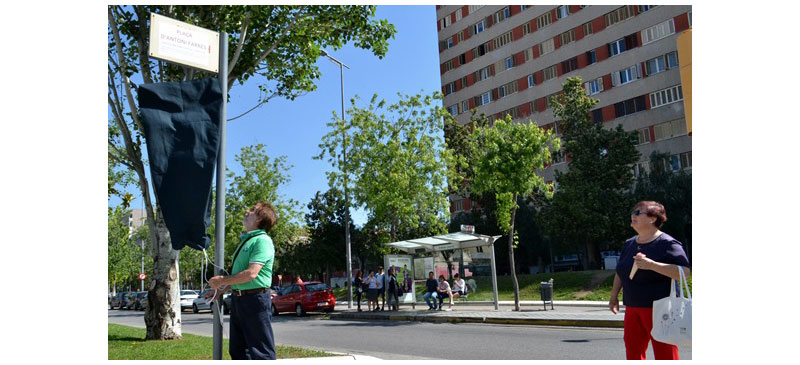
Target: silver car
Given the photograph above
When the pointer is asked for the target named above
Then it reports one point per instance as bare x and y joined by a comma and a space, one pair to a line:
187, 298
200, 304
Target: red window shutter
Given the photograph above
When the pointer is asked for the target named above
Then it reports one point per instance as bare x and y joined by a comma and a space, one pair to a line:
647, 101
465, 11
517, 33
534, 25
522, 84
554, 14
525, 109
608, 113
643, 67
601, 53
514, 9
542, 104
681, 23
535, 51
467, 204
470, 79
582, 60
598, 24
471, 103
607, 82
579, 33
560, 69
557, 42
574, 9
519, 58
453, 17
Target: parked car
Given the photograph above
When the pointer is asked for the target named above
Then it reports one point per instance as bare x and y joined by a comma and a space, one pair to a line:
143, 302
200, 304
116, 300
226, 300
131, 303
136, 301
187, 298
311, 296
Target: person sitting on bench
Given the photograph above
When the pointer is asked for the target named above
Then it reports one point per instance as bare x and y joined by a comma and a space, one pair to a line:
430, 296
459, 286
444, 291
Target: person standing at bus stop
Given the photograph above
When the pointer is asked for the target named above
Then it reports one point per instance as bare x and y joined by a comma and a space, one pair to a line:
251, 336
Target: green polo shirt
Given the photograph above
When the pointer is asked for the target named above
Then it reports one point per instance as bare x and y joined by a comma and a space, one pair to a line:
258, 250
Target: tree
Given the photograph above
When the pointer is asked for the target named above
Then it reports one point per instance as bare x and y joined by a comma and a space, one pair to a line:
397, 164
275, 46
121, 252
674, 191
507, 156
591, 203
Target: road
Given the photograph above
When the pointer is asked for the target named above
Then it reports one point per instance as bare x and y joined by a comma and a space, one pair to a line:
395, 340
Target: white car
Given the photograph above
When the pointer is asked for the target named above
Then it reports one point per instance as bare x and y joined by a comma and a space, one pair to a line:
187, 297
200, 304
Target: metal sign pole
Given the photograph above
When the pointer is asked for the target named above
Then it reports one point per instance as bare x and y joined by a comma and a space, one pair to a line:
219, 255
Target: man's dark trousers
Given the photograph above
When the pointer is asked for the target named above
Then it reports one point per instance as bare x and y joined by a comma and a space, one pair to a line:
251, 335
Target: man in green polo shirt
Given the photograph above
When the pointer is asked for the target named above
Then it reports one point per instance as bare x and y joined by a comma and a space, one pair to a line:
251, 305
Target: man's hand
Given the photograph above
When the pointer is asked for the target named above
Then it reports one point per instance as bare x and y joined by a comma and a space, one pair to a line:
613, 305
215, 282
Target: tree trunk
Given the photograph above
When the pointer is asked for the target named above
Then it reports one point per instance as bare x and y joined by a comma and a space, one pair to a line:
163, 313
511, 260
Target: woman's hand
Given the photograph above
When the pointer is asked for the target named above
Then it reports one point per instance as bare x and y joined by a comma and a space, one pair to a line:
644, 263
613, 305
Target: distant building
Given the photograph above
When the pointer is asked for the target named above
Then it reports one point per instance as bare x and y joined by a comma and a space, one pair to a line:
136, 219
511, 59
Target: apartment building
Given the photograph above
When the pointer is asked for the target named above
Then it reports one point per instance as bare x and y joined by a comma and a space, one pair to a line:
511, 59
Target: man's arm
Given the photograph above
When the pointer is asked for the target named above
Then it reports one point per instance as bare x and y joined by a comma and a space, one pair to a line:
246, 276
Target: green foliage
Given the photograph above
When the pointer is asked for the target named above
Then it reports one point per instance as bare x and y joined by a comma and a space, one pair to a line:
674, 191
507, 156
396, 162
591, 205
123, 255
260, 180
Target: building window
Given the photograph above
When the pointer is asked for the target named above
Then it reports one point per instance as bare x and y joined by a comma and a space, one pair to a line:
547, 47
450, 88
449, 43
567, 37
595, 86
453, 109
479, 27
629, 106
626, 75
501, 15
526, 28
562, 11
543, 20
672, 59
485, 98
483, 73
464, 105
462, 59
619, 15
528, 54
670, 129
446, 22
658, 31
503, 40
643, 8
616, 47
458, 14
550, 72
458, 205
531, 81
569, 65
661, 63
506, 89
597, 115
559, 156
509, 62
591, 57
448, 65
639, 169
686, 159
643, 135
473, 8
587, 28
525, 7
666, 96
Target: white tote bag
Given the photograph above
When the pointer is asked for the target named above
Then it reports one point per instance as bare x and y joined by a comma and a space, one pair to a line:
672, 316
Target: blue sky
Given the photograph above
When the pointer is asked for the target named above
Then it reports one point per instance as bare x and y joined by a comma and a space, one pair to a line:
295, 128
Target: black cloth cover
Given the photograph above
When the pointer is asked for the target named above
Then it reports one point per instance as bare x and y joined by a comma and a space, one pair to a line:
181, 121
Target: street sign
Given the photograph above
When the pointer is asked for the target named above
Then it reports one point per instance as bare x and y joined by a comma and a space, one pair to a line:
183, 43
467, 229
142, 276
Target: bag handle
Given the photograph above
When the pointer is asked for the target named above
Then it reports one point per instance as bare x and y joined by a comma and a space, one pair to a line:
684, 281
681, 282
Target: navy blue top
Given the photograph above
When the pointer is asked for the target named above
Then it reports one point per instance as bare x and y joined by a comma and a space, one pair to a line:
648, 285
432, 284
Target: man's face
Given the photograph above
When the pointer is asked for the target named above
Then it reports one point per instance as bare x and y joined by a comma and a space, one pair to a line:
250, 219
430, 275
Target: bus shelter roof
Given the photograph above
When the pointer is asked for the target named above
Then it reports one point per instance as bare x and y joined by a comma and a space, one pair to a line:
452, 241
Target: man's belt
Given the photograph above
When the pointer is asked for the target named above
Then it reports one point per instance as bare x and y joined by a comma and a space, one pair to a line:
239, 293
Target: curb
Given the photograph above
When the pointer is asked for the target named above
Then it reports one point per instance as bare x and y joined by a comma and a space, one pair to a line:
490, 320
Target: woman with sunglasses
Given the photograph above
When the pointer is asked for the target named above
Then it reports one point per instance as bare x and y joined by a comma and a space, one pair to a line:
656, 257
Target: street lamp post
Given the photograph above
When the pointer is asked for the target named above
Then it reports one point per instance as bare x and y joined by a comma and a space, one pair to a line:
346, 201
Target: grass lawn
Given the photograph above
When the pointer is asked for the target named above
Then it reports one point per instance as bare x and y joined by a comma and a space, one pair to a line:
127, 343
571, 285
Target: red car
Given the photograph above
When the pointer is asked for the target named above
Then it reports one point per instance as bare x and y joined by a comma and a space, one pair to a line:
312, 296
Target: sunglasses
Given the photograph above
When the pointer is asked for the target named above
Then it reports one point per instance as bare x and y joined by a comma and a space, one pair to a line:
638, 212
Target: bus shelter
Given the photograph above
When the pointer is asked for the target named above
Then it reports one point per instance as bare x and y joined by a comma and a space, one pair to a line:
452, 241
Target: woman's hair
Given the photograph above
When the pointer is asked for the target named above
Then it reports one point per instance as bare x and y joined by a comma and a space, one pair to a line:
441, 276
359, 274
372, 272
456, 275
266, 215
391, 272
653, 209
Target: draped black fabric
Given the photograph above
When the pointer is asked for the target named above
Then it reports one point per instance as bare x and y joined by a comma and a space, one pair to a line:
181, 121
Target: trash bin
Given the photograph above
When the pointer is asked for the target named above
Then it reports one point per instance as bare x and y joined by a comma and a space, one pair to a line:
547, 293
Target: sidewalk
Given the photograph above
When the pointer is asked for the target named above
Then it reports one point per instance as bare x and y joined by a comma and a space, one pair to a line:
564, 313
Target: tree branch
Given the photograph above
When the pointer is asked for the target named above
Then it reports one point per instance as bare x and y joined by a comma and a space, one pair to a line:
243, 35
